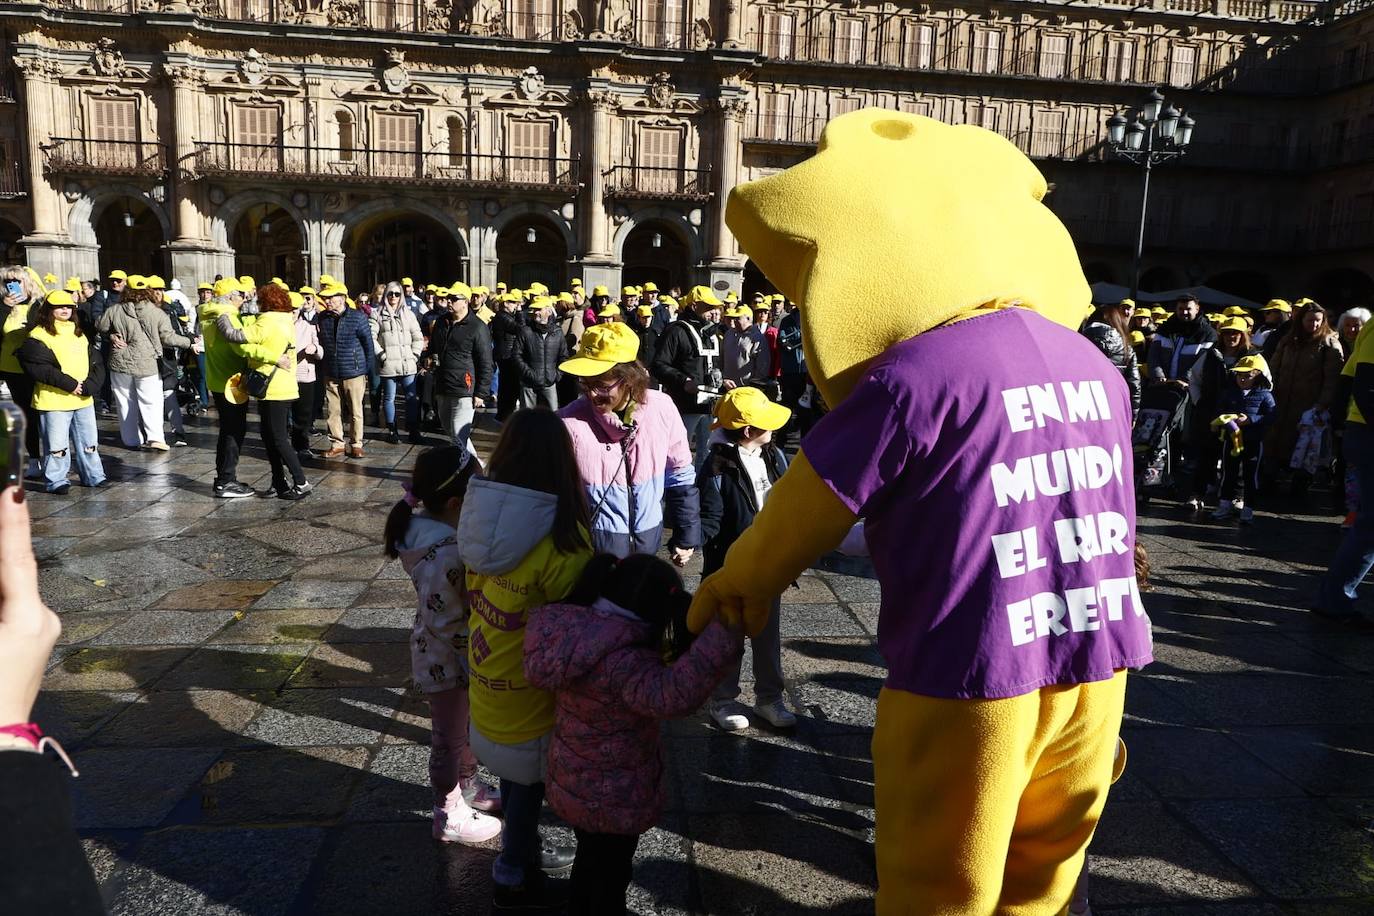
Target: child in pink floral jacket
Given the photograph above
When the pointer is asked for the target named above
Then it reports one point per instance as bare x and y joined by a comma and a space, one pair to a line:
618, 658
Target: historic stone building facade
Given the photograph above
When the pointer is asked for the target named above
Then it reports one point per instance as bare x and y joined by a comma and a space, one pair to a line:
545, 139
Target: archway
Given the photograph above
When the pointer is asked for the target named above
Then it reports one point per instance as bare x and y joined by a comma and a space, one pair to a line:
1342, 288
655, 252
267, 243
11, 248
1158, 279
130, 237
391, 246
1248, 284
530, 249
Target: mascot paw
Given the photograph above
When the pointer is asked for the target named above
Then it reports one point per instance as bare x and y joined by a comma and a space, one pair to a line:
719, 599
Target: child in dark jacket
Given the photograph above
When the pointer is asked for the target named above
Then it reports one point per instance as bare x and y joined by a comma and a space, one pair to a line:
1247, 408
602, 654
733, 483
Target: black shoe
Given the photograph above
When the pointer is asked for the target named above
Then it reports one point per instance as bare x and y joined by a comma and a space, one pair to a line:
299, 491
233, 490
537, 893
415, 438
274, 491
393, 436
307, 454
62, 490
103, 485
557, 860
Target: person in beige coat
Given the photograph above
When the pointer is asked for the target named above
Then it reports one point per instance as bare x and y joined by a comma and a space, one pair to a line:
139, 329
398, 342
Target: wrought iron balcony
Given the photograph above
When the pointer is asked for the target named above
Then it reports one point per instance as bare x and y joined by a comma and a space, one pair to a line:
101, 6
269, 162
669, 34
646, 182
73, 155
767, 127
13, 182
385, 15
532, 26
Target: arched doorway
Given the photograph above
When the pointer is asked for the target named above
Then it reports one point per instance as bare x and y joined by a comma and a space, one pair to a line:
531, 250
394, 246
1343, 288
11, 249
268, 243
1247, 284
755, 282
655, 252
130, 238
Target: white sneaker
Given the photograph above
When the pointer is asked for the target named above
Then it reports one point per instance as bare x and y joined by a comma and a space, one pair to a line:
482, 797
461, 824
1247, 516
777, 714
1224, 511
726, 714
1195, 505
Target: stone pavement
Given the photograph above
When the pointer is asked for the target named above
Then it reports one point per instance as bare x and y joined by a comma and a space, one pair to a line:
232, 675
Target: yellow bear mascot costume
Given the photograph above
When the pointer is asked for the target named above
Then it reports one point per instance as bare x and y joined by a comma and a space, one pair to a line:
987, 447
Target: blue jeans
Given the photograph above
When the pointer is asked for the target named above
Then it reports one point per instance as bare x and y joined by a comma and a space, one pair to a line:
68, 432
407, 384
1356, 554
520, 835
699, 432
200, 381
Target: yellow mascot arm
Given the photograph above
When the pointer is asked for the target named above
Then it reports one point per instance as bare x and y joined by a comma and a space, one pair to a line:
802, 519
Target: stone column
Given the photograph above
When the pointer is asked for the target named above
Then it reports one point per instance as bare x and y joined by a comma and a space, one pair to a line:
38, 117
732, 112
186, 81
593, 204
734, 24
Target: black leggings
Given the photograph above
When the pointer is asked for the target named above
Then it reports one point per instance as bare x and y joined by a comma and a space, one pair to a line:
233, 427
276, 438
601, 873
21, 388
301, 416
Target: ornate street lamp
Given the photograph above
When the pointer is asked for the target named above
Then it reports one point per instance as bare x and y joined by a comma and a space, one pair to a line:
1156, 133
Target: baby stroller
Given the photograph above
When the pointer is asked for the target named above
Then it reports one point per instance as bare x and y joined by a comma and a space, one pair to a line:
1158, 424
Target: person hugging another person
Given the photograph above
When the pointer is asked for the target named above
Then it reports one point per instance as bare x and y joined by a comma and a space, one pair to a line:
1245, 411
618, 658
427, 543
734, 482
523, 537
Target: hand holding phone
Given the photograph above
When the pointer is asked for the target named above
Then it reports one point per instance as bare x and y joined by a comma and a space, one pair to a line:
14, 288
28, 630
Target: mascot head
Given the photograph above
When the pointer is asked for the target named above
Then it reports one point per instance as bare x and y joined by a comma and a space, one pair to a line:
898, 224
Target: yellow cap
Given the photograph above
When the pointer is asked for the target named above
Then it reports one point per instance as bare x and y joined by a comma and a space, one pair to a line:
1304, 301
307, 291
280, 284
537, 289
649, 287
738, 312
1215, 317
327, 280
460, 291
480, 291
701, 295
600, 291
205, 285
1159, 311
501, 287
73, 285
406, 281
576, 282
603, 347
118, 274
225, 286
629, 291
667, 301
609, 310
248, 282
1127, 301
1248, 363
745, 406
234, 390
732, 296
1277, 305
645, 311
138, 282
441, 292
1137, 338
540, 302
565, 297
1233, 324
1234, 311
60, 297
333, 288
297, 300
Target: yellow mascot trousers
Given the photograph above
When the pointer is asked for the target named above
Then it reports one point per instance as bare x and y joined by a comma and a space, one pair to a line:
987, 806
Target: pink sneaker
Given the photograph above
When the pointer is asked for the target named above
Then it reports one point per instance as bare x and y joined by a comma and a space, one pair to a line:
461, 824
481, 796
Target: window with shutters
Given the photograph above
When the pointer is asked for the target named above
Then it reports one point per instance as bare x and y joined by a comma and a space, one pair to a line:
396, 145
112, 140
1047, 140
532, 20
662, 23
258, 138
394, 15
774, 115
982, 115
987, 51
457, 142
849, 41
1054, 56
250, 10
779, 36
348, 142
531, 150
660, 159
1182, 65
1120, 60
841, 105
920, 46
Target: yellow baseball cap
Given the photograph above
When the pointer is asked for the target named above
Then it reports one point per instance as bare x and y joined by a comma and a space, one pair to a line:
59, 297
1127, 301
248, 282
333, 288
1277, 305
406, 281
650, 287
667, 301
537, 289
225, 286
1233, 324
460, 291
297, 300
480, 291
327, 280
138, 282
576, 282
73, 285
118, 274
600, 291
702, 295
205, 285
629, 291
745, 406
1304, 301
234, 390
1249, 363
1159, 312
645, 310
603, 347
732, 296
441, 292
1215, 317
609, 310
565, 297
738, 312
1234, 311
1137, 338
540, 302
307, 291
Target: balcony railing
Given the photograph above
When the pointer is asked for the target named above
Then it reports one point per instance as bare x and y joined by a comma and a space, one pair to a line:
765, 127
71, 155
533, 26
384, 15
102, 6
13, 181
670, 34
658, 183
313, 163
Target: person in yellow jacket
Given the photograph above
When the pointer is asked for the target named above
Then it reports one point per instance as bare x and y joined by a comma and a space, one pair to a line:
64, 363
524, 537
269, 344
19, 293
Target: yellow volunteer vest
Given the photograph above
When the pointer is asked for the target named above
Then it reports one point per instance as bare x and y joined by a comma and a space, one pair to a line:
12, 337
74, 357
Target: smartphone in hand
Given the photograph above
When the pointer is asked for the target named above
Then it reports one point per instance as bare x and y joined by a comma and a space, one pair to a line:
12, 453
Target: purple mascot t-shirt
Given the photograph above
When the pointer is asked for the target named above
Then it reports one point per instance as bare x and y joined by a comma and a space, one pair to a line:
991, 460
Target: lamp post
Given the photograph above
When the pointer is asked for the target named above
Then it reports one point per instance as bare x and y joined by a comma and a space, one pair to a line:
1156, 133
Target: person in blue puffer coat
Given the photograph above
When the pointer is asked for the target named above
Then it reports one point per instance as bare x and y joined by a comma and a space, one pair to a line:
348, 359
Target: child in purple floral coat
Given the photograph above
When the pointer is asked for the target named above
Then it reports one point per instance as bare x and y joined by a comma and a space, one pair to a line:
618, 658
